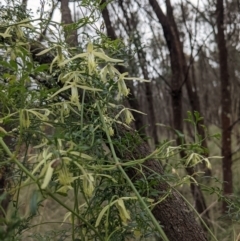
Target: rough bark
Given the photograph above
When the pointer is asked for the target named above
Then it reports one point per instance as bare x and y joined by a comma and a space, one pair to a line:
226, 105
70, 33
178, 73
173, 214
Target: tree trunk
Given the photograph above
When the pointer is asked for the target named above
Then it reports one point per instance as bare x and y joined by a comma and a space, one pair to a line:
226, 105
192, 95
132, 27
173, 213
24, 4
149, 93
70, 34
177, 57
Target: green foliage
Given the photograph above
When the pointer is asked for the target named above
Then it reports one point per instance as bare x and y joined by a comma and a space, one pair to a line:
64, 117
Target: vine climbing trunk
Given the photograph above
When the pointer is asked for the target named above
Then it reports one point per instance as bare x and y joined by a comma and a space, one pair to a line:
172, 212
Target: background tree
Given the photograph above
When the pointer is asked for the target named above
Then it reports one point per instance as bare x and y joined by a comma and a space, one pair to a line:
225, 104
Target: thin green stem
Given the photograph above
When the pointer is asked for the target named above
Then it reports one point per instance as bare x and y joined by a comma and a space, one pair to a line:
14, 160
82, 109
20, 181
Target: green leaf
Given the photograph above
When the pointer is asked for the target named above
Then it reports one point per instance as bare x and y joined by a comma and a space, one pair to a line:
83, 155
82, 55
5, 64
100, 216
41, 68
5, 35
44, 51
34, 200
48, 175
106, 58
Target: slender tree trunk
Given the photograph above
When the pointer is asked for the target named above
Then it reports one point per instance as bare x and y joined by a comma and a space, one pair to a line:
188, 81
132, 23
44, 31
70, 35
5, 173
24, 4
6, 198
176, 56
132, 99
226, 105
149, 94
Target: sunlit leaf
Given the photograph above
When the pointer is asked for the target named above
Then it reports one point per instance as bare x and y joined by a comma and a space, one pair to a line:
83, 155
100, 216
48, 175
44, 51
5, 35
